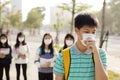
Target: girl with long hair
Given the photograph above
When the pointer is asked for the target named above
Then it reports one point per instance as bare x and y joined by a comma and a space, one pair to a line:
5, 56
45, 57
68, 41
21, 54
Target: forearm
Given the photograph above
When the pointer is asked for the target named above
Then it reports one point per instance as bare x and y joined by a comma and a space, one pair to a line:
59, 77
100, 71
9, 56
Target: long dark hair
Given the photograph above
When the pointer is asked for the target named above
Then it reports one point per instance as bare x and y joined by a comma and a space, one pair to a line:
18, 42
50, 46
6, 43
67, 36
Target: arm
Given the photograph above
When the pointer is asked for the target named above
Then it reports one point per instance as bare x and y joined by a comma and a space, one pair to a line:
2, 56
24, 52
40, 63
100, 71
59, 77
27, 51
15, 53
58, 68
37, 58
55, 54
9, 56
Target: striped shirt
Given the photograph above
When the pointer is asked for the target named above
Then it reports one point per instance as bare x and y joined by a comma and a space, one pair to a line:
82, 65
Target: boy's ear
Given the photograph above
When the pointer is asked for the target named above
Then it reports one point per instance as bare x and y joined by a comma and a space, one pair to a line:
77, 30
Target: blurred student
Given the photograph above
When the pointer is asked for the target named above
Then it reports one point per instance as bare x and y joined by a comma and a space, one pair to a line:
5, 56
68, 41
45, 57
21, 54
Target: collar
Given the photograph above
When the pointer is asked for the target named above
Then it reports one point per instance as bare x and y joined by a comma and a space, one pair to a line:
76, 50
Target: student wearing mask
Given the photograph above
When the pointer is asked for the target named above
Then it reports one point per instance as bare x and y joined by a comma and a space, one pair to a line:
5, 56
21, 54
45, 57
85, 61
68, 41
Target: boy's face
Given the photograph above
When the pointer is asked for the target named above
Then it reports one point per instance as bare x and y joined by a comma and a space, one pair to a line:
85, 29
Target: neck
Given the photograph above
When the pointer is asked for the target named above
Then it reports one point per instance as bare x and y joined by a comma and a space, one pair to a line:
20, 43
46, 46
81, 46
3, 45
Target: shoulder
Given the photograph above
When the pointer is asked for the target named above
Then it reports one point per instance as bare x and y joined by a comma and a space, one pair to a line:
60, 50
26, 45
65, 50
102, 51
39, 49
55, 51
9, 47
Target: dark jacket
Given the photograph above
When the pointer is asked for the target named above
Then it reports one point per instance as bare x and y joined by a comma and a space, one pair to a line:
8, 58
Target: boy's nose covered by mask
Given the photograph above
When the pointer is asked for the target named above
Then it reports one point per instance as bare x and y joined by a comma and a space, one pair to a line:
87, 36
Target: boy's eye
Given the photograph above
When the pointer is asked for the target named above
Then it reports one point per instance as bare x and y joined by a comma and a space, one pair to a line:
93, 32
86, 31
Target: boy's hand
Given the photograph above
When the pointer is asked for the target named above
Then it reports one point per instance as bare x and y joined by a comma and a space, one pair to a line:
91, 45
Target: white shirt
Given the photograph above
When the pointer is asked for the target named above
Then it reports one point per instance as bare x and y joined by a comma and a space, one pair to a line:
21, 49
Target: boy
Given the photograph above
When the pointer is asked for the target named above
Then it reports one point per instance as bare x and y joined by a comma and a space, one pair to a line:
87, 62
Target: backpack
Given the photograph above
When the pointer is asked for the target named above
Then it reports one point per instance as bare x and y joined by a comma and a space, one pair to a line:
67, 61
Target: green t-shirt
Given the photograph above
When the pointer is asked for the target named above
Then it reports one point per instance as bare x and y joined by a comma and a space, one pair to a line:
82, 65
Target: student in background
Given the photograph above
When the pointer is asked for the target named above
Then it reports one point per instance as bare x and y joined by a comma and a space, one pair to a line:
21, 54
45, 57
68, 41
5, 56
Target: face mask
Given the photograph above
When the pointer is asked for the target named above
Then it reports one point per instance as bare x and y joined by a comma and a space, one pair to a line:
3, 41
69, 42
47, 41
21, 39
86, 36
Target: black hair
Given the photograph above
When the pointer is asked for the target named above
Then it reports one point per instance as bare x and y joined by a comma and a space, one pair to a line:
85, 19
67, 36
6, 43
50, 46
18, 42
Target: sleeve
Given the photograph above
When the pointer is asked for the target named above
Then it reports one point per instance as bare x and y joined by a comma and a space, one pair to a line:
27, 51
55, 54
9, 56
15, 53
37, 58
58, 68
103, 57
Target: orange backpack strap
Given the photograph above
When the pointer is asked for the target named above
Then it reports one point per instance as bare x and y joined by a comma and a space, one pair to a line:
66, 59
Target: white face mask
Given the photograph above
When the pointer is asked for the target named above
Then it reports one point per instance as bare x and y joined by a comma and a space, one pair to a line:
3, 41
86, 36
21, 39
47, 41
69, 42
